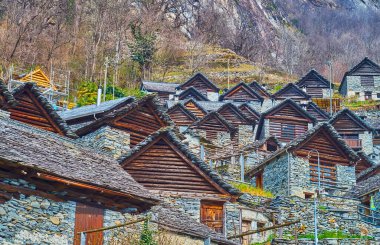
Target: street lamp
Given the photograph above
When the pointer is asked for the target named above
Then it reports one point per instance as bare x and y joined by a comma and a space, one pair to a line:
315, 198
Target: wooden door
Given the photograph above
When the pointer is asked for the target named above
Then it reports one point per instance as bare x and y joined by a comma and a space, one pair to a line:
246, 226
212, 215
88, 218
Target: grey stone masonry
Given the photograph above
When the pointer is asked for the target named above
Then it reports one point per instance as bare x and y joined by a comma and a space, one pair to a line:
245, 134
354, 86
232, 224
367, 142
36, 220
275, 176
110, 140
346, 177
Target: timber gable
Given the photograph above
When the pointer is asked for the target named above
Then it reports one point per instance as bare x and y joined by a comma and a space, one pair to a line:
346, 121
314, 83
180, 115
234, 115
195, 108
201, 83
249, 112
241, 93
317, 112
259, 89
192, 93
163, 163
291, 91
139, 119
33, 108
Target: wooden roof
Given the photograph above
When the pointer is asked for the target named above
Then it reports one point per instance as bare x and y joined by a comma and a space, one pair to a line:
242, 92
192, 93
314, 79
347, 121
139, 119
180, 115
324, 138
214, 121
39, 77
366, 168
259, 89
162, 162
65, 169
291, 91
201, 83
34, 109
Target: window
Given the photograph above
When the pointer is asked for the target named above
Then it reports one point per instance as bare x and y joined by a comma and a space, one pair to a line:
259, 180
367, 81
308, 195
357, 94
368, 95
212, 215
378, 95
288, 131
327, 172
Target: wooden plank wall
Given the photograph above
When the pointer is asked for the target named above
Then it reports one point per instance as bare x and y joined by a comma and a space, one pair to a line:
249, 114
88, 218
161, 168
180, 118
240, 94
315, 92
194, 109
202, 86
29, 111
280, 129
212, 126
345, 124
139, 124
232, 117
312, 111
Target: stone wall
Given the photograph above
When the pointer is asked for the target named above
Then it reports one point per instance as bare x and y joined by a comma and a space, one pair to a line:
354, 86
213, 96
275, 176
232, 220
367, 142
299, 176
110, 140
346, 177
35, 220
334, 214
245, 134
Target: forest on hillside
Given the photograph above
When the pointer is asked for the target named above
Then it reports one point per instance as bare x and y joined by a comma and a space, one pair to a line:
137, 38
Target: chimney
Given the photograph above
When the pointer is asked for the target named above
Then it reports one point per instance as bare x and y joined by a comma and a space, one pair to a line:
99, 98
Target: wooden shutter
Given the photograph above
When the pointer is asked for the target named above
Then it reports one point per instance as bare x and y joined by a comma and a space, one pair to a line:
259, 180
212, 215
246, 226
88, 218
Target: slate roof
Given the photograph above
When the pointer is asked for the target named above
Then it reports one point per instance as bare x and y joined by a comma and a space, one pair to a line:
365, 60
303, 139
283, 103
256, 86
368, 171
124, 110
9, 99
203, 77
248, 89
364, 187
192, 91
314, 74
250, 108
94, 110
352, 115
230, 127
25, 146
176, 220
61, 123
150, 86
288, 86
317, 109
175, 139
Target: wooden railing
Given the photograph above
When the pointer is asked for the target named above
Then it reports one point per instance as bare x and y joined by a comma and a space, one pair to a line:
354, 143
369, 216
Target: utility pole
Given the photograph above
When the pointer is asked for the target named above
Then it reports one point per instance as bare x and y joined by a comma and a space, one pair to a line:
329, 63
228, 73
105, 80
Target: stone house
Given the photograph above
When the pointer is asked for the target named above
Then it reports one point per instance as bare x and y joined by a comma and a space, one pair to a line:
315, 85
291, 91
27, 104
355, 131
164, 165
164, 91
242, 93
286, 121
46, 199
293, 169
201, 83
362, 81
245, 126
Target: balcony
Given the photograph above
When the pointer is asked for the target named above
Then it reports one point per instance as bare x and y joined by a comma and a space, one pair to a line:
355, 144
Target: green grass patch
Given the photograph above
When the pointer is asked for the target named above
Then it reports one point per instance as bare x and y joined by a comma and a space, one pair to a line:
249, 189
334, 235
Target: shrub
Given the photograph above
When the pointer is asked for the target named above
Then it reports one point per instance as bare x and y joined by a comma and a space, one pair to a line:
249, 189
